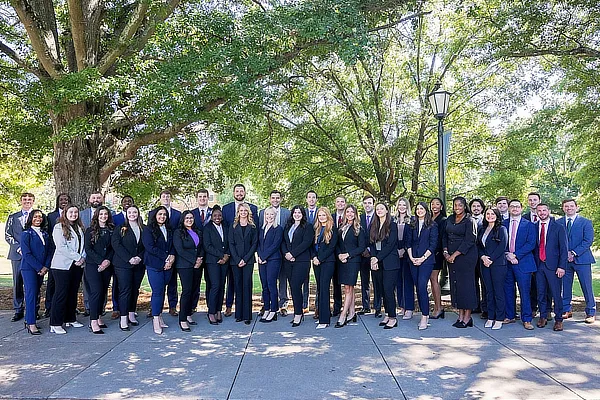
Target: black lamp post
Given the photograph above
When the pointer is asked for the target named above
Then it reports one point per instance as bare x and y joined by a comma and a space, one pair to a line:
439, 101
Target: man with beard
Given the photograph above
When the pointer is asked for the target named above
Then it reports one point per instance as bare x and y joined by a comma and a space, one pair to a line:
95, 200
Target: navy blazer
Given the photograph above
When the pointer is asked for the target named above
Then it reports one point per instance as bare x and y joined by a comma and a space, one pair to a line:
157, 248
524, 245
101, 250
326, 251
35, 254
243, 244
118, 219
52, 218
186, 251
556, 246
496, 245
580, 239
352, 244
196, 213
126, 247
215, 248
300, 246
419, 244
229, 213
174, 217
269, 246
389, 249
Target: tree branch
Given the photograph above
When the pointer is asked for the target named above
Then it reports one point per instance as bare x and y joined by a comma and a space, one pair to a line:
21, 62
77, 32
581, 51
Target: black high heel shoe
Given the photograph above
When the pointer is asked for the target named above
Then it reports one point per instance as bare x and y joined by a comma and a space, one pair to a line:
383, 323
338, 325
391, 326
103, 326
98, 332
441, 315
294, 324
124, 329
353, 319
215, 322
36, 333
184, 329
470, 323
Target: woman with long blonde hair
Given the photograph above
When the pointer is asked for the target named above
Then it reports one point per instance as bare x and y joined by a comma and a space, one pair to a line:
324, 261
405, 290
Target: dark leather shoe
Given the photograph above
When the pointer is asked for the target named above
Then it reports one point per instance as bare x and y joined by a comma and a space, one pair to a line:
86, 313
542, 322
558, 326
238, 320
567, 315
115, 315
46, 314
228, 312
283, 312
364, 311
378, 314
173, 311
149, 315
17, 317
335, 313
484, 315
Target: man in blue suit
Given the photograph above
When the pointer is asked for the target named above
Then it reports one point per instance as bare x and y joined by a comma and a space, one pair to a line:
311, 215
521, 263
12, 234
282, 214
229, 211
174, 216
365, 266
202, 215
580, 235
118, 220
551, 257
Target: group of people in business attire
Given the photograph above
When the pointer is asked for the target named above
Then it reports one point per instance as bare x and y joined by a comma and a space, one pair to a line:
487, 252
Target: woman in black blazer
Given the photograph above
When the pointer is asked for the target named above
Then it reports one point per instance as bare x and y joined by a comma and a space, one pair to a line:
243, 241
351, 244
269, 263
421, 240
129, 266
159, 257
216, 248
98, 264
384, 255
189, 252
492, 242
298, 237
325, 240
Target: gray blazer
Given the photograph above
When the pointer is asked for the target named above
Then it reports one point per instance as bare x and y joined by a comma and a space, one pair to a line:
14, 228
86, 216
67, 251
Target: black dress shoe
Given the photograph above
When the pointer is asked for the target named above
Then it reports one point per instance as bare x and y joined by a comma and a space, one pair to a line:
184, 329
364, 311
335, 313
238, 319
17, 317
460, 324
470, 323
86, 313
378, 314
458, 321
248, 322
46, 314
484, 315
441, 315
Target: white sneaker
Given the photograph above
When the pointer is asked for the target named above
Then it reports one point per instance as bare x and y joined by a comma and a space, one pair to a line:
489, 323
75, 324
59, 330
497, 325
408, 314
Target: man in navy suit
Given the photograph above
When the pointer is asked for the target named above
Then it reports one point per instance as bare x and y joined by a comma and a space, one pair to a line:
202, 215
282, 214
14, 228
126, 202
551, 257
229, 211
311, 215
365, 266
118, 220
521, 263
502, 206
533, 199
174, 216
580, 235
338, 220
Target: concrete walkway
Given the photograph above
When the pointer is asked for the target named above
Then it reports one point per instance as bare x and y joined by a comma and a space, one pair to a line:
276, 361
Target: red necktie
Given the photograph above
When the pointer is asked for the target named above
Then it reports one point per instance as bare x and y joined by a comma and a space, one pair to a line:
534, 218
543, 243
339, 221
202, 217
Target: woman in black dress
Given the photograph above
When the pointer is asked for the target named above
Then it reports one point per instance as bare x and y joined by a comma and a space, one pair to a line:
351, 243
438, 213
460, 252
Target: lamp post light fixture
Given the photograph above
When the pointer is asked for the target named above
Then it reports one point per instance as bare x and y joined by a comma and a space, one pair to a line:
439, 100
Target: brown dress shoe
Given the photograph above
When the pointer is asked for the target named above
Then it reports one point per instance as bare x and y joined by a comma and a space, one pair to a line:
542, 322
567, 315
558, 326
228, 312
528, 326
283, 312
115, 315
508, 321
589, 319
173, 311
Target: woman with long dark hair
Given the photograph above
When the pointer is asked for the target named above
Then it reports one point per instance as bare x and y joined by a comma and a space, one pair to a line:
325, 240
298, 237
67, 267
189, 251
216, 247
98, 264
269, 262
421, 241
438, 213
129, 265
36, 256
384, 256
460, 251
159, 257
492, 242
352, 241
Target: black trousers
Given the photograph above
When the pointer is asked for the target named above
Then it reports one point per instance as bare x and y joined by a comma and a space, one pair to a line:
390, 281
196, 294
129, 281
242, 280
190, 281
64, 302
365, 283
337, 289
98, 288
377, 277
217, 274
326, 272
296, 277
50, 286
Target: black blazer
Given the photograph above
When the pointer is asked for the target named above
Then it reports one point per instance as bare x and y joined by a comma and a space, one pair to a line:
326, 251
269, 246
126, 247
101, 250
186, 251
389, 249
301, 242
352, 244
215, 248
243, 244
496, 245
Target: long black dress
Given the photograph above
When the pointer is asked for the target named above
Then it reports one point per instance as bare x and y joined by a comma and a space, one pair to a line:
462, 236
